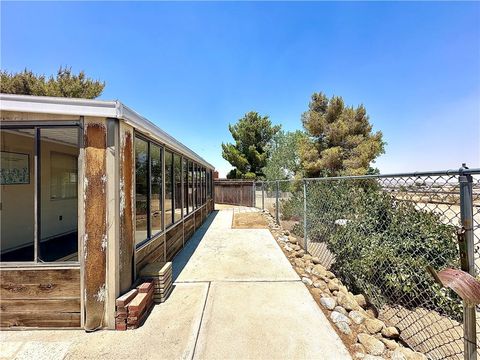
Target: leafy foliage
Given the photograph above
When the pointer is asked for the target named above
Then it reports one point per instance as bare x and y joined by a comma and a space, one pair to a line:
64, 84
284, 160
381, 246
252, 134
340, 139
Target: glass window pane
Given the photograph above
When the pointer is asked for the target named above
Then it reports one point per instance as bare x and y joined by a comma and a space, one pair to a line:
58, 199
185, 187
195, 186
141, 190
156, 189
178, 187
199, 191
204, 187
190, 186
168, 188
17, 190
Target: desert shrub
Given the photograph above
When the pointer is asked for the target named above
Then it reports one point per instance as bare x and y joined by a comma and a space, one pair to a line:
381, 245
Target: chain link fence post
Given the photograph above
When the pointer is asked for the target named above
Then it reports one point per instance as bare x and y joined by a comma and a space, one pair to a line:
305, 238
277, 191
468, 264
254, 202
263, 195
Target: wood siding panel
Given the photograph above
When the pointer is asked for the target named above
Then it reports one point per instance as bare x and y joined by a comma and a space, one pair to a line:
174, 238
189, 228
198, 220
172, 241
151, 252
40, 320
95, 239
40, 298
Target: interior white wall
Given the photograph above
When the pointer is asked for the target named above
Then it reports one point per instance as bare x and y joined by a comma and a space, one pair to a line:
17, 201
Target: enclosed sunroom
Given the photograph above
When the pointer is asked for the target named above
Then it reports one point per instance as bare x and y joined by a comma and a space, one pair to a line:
90, 192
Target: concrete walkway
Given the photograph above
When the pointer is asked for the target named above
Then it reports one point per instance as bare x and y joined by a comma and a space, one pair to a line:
236, 296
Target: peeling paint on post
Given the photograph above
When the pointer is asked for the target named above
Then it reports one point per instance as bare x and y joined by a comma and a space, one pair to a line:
95, 224
126, 208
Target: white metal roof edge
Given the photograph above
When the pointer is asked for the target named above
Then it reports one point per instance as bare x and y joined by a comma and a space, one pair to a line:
99, 108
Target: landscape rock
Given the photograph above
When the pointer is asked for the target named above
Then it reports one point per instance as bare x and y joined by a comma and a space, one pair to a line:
374, 325
347, 301
288, 248
332, 286
317, 293
320, 284
358, 348
316, 260
307, 281
300, 253
361, 300
286, 232
296, 247
344, 328
330, 275
307, 257
390, 332
339, 317
390, 344
356, 317
372, 357
402, 353
283, 238
293, 240
341, 310
328, 302
372, 345
299, 263
319, 270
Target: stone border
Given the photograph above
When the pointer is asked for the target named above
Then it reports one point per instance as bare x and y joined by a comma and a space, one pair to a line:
354, 319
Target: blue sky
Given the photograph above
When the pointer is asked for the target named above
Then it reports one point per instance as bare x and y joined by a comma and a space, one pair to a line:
193, 68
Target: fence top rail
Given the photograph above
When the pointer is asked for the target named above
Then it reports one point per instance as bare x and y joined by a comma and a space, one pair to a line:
461, 171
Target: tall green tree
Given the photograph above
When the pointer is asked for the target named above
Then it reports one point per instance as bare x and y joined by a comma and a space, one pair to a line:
64, 84
248, 155
284, 161
340, 139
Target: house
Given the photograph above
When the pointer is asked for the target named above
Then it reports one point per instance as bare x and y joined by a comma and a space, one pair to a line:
90, 193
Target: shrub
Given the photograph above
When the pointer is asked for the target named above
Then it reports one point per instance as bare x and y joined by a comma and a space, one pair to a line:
382, 246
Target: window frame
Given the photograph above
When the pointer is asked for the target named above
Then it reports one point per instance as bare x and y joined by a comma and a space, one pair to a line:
194, 182
36, 126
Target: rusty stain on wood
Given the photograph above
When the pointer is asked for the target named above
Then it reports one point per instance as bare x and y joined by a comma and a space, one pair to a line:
126, 211
95, 224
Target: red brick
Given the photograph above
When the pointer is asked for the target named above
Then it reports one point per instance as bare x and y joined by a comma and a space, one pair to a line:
126, 298
121, 326
138, 303
145, 287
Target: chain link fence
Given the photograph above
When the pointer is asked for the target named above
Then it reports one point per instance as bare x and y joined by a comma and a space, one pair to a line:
378, 233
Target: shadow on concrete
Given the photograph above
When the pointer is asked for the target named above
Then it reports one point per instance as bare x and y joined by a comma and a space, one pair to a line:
181, 259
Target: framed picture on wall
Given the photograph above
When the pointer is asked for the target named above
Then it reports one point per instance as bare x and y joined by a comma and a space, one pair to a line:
14, 168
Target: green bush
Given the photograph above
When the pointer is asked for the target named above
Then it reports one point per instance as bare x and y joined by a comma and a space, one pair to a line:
381, 245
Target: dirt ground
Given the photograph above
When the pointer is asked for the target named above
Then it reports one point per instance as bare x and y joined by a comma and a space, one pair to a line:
254, 220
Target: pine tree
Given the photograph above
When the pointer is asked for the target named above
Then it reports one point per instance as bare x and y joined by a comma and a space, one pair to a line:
64, 84
249, 154
339, 138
